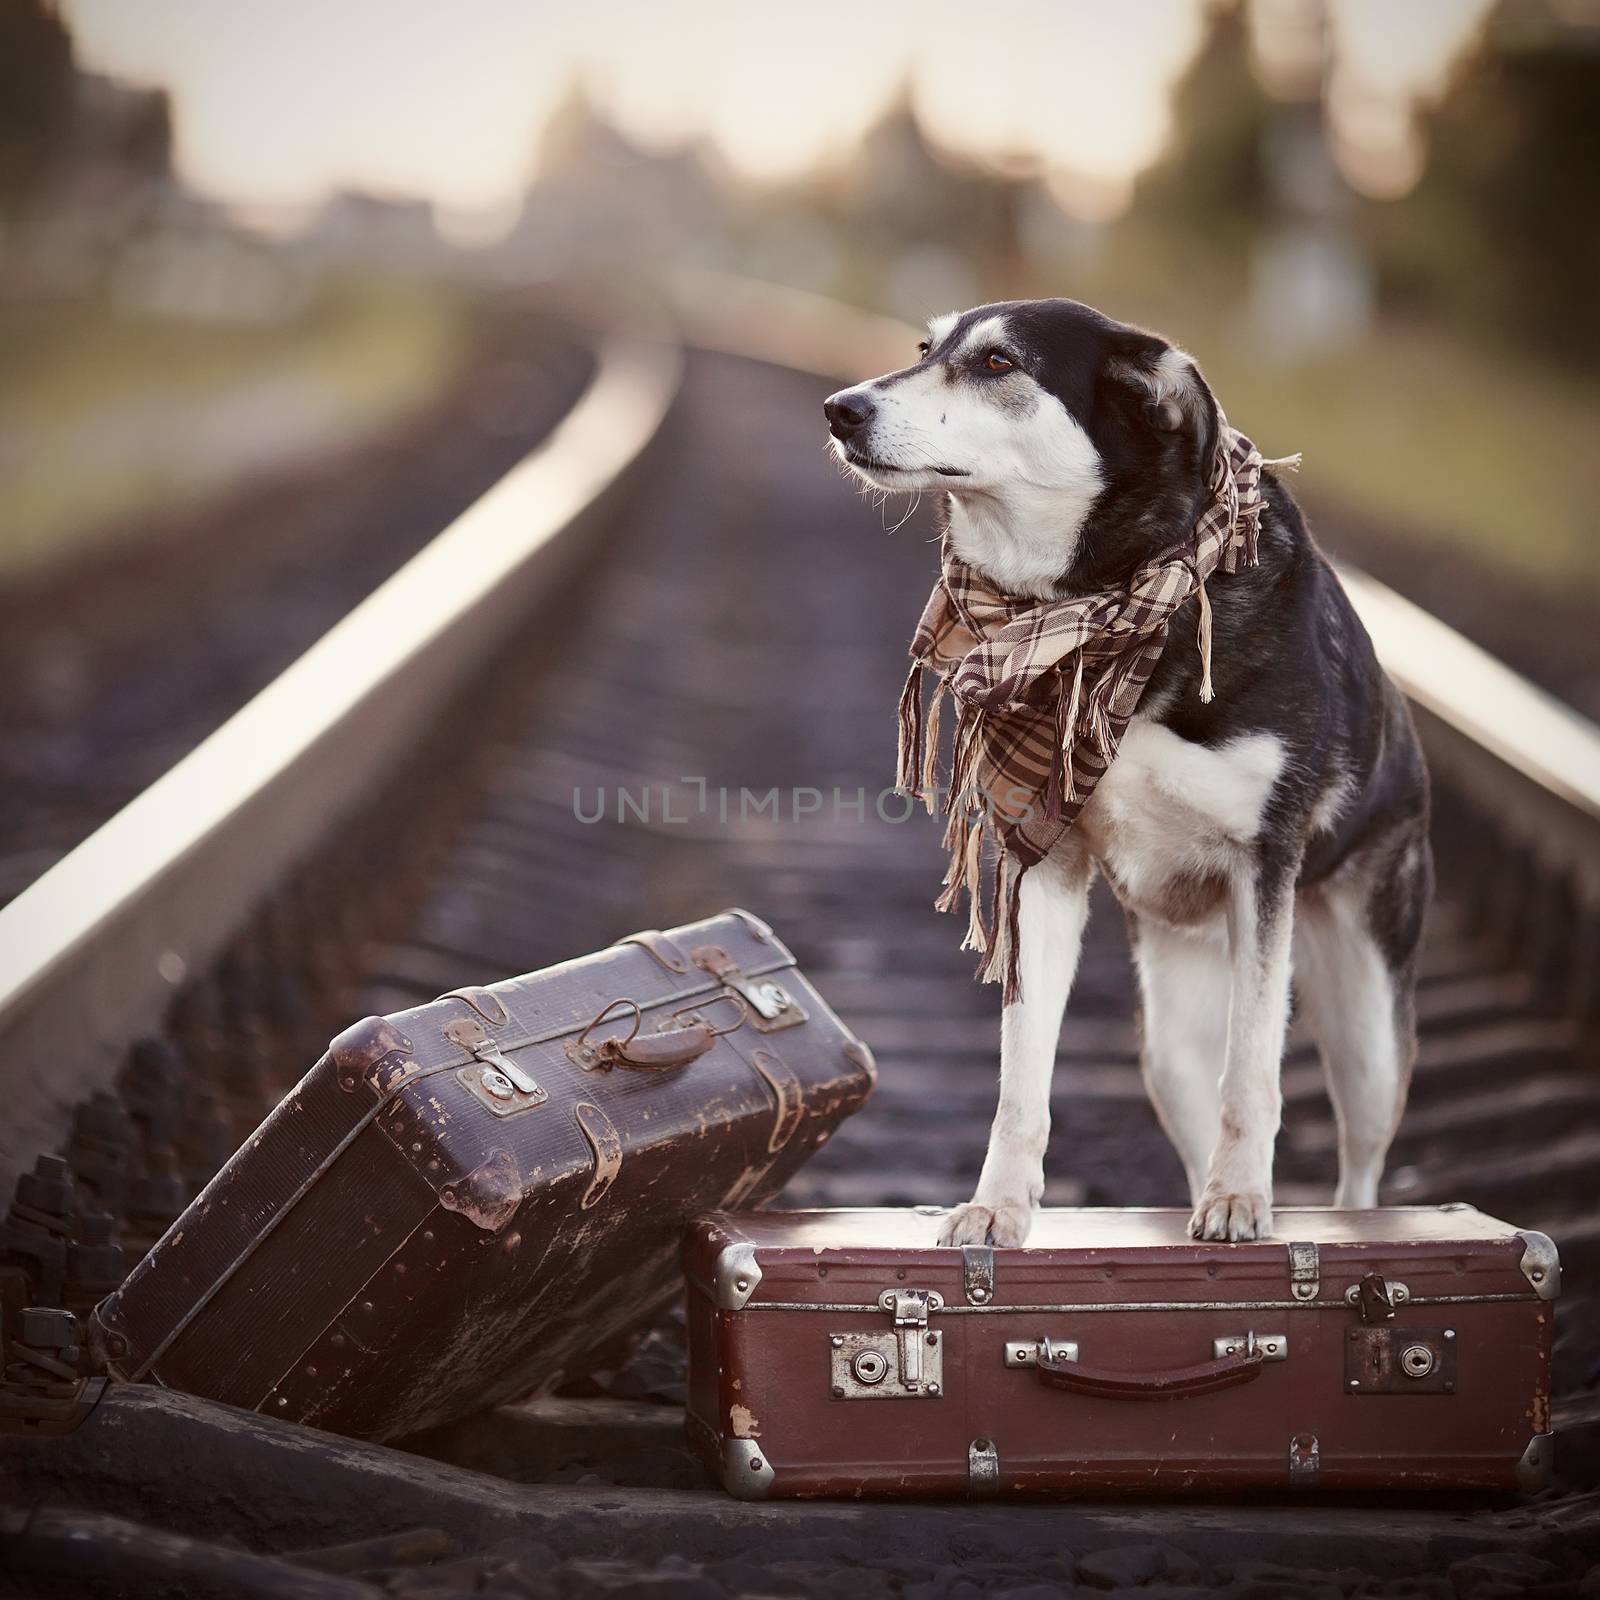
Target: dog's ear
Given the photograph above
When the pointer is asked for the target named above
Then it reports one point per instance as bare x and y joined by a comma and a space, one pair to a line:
1163, 386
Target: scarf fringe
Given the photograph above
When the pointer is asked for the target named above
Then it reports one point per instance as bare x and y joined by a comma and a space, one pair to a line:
1203, 639
930, 753
910, 756
977, 937
965, 756
957, 836
1002, 964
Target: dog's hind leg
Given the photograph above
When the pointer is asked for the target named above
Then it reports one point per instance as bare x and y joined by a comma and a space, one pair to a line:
1183, 1023
1051, 917
1357, 997
1236, 1202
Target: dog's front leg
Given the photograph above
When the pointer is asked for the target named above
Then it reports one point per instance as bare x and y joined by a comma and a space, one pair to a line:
1237, 1200
1050, 922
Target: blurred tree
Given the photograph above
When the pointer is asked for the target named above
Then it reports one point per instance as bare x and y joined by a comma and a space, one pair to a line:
143, 143
1212, 183
37, 93
1502, 233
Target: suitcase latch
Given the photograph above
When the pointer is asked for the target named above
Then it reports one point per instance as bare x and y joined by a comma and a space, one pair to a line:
1375, 1297
771, 1005
906, 1363
499, 1083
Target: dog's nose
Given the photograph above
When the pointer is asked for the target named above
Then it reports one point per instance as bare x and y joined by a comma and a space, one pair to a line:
847, 411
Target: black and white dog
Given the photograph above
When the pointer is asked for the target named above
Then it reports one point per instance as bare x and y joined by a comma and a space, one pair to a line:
1280, 830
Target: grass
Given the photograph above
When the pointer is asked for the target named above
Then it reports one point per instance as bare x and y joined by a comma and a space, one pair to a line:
1454, 451
110, 422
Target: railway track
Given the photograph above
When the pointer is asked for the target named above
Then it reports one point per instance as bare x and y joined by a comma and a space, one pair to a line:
643, 703
110, 673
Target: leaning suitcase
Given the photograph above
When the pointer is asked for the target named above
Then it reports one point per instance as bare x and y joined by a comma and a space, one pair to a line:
466, 1202
1359, 1349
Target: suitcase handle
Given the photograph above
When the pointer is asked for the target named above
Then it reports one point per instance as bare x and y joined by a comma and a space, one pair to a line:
1164, 1383
650, 1052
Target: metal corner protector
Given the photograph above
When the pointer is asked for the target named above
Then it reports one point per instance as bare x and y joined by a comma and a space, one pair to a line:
735, 1276
746, 1472
1541, 1263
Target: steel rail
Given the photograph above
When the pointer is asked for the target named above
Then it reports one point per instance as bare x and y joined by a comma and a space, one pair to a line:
1542, 778
91, 953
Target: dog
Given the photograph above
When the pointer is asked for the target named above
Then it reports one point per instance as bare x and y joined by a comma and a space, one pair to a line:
1276, 835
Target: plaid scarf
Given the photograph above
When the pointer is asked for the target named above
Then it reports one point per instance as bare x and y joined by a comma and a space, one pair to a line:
1045, 690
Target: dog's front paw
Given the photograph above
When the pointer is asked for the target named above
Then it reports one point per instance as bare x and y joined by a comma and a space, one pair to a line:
1232, 1216
1004, 1224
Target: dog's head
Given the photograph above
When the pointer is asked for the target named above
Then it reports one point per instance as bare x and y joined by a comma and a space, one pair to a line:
1071, 446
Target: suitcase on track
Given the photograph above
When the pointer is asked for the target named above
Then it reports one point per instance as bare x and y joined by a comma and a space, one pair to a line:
1404, 1348
469, 1201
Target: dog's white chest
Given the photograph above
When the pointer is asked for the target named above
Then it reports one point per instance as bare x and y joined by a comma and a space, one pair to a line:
1170, 820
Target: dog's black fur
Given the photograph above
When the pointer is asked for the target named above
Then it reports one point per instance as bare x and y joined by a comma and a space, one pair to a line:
1290, 657
1289, 811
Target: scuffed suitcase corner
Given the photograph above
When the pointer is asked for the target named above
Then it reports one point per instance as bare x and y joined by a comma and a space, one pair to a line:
859, 1054
747, 1474
734, 1276
718, 1265
373, 1052
1536, 1468
490, 1195
760, 931
1541, 1263
834, 1100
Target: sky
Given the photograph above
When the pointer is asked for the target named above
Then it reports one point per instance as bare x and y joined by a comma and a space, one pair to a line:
277, 105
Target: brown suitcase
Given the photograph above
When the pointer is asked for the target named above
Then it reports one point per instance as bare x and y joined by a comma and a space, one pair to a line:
465, 1202
1405, 1348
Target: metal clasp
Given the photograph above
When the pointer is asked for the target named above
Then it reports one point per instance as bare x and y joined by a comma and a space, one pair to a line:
1030, 1352
1269, 1346
471, 1037
910, 1308
906, 1363
771, 1005
1376, 1298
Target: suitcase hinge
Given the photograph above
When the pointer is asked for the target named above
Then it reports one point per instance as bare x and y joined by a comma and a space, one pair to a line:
1305, 1270
904, 1364
977, 1268
1305, 1461
983, 1468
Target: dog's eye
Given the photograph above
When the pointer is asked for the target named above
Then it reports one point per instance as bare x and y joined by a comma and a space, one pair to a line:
923, 347
998, 361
